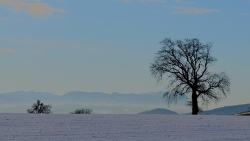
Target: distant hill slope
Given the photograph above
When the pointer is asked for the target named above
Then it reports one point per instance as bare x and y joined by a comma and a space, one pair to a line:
227, 110
159, 111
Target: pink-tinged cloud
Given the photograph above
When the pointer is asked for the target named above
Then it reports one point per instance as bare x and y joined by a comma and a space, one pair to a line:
34, 8
191, 10
5, 50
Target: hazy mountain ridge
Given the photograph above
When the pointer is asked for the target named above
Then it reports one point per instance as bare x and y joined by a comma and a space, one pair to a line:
86, 97
115, 103
115, 97
159, 111
227, 110
21, 96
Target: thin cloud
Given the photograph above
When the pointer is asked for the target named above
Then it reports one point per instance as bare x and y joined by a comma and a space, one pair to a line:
151, 0
35, 8
3, 20
37, 51
191, 10
49, 44
126, 1
5, 50
244, 14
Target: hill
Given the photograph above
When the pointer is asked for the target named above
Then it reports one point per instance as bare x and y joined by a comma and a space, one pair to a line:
227, 110
159, 111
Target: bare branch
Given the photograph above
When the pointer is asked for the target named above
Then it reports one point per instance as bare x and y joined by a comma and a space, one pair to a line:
186, 64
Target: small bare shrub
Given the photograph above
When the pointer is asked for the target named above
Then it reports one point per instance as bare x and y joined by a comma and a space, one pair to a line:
82, 111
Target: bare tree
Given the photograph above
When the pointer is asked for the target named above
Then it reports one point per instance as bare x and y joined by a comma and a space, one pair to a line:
82, 111
39, 108
186, 63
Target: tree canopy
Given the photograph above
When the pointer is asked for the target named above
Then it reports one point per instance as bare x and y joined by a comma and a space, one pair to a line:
186, 64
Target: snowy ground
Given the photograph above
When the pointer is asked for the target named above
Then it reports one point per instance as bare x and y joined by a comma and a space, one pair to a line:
56, 127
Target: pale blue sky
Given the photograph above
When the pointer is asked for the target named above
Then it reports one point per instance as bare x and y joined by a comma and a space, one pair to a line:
107, 46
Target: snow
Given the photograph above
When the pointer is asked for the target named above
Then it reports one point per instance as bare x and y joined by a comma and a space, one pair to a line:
98, 127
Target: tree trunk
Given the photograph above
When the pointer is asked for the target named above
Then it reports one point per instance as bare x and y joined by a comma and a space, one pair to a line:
195, 108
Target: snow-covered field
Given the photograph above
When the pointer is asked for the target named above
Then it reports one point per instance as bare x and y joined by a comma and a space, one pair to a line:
67, 127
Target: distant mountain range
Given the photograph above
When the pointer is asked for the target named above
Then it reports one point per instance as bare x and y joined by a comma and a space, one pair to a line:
84, 98
115, 103
102, 103
159, 111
